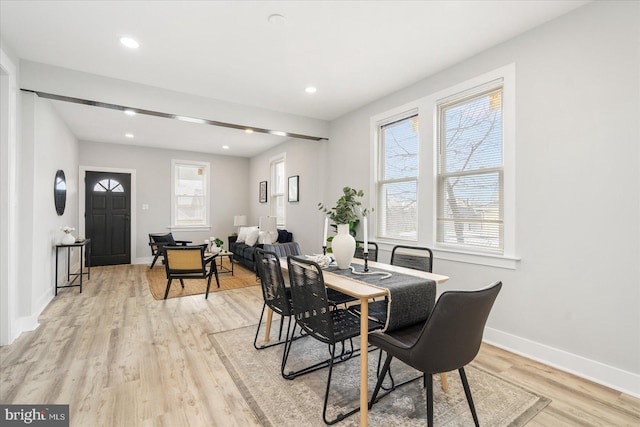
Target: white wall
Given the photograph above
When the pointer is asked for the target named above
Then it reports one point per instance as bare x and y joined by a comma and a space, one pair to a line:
46, 145
305, 159
573, 301
229, 189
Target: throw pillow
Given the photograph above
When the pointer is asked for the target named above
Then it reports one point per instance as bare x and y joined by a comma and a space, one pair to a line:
252, 237
243, 232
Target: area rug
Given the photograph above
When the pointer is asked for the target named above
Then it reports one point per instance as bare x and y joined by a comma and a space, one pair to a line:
278, 402
157, 278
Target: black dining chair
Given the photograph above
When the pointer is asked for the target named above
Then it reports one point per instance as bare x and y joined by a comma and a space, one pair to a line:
189, 262
276, 295
449, 339
313, 314
418, 258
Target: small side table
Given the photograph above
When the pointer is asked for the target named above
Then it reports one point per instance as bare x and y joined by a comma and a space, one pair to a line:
70, 283
221, 268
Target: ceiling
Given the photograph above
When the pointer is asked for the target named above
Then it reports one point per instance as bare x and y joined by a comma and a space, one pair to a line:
353, 52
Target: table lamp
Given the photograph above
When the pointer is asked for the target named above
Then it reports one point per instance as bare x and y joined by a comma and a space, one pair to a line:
239, 221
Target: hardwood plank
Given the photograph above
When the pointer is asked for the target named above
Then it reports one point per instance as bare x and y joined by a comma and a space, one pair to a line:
119, 357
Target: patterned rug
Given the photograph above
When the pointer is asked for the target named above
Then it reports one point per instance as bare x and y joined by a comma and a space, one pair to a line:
278, 402
242, 277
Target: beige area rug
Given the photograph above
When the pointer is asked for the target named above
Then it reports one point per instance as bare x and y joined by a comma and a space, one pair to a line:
278, 402
157, 277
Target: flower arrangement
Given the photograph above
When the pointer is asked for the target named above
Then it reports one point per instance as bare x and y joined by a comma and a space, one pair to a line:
347, 207
67, 229
218, 242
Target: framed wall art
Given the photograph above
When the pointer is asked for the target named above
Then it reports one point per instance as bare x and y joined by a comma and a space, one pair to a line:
294, 195
263, 192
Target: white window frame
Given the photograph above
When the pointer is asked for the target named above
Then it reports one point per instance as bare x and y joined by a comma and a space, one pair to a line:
427, 180
274, 195
206, 166
379, 182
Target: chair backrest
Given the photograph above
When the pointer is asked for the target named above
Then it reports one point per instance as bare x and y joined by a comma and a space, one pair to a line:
309, 299
273, 288
160, 239
283, 250
452, 334
412, 257
372, 247
184, 259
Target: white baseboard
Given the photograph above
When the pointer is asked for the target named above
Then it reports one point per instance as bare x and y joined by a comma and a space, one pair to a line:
30, 323
609, 376
144, 260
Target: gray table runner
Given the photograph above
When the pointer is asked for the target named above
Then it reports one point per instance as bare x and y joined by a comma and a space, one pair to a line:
410, 298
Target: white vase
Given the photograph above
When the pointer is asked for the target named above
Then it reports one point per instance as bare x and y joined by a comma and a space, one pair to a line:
68, 239
343, 246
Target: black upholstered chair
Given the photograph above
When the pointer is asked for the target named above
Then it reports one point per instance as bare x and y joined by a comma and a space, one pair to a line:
276, 295
449, 339
158, 240
313, 315
189, 262
412, 257
372, 247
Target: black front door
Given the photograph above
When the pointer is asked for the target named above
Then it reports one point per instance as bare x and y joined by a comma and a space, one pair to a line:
107, 217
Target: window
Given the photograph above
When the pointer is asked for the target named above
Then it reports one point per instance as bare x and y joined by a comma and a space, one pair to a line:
444, 172
108, 185
397, 181
470, 170
278, 187
190, 194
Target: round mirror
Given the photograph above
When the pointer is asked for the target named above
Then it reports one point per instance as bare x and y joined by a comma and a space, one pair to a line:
60, 192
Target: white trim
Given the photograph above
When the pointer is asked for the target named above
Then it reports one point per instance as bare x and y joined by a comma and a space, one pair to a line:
427, 177
82, 198
282, 157
609, 376
9, 324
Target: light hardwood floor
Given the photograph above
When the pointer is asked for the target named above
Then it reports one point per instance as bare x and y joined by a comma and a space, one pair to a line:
121, 358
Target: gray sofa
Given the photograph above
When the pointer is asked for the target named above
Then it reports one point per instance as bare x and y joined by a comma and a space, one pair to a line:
245, 254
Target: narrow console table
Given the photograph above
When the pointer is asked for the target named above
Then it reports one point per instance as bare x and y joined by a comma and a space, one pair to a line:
84, 254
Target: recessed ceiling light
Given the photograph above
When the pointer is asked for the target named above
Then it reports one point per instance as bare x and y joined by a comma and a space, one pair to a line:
128, 135
225, 147
248, 130
310, 89
130, 112
278, 132
277, 19
129, 42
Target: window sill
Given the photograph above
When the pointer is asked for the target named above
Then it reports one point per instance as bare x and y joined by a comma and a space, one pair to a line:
190, 228
456, 255
489, 260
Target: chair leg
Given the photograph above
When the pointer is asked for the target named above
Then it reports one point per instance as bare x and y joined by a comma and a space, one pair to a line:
467, 392
385, 368
155, 258
255, 340
429, 384
215, 271
340, 416
166, 292
182, 283
206, 295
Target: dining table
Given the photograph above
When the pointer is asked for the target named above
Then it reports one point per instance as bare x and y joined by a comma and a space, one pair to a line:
365, 292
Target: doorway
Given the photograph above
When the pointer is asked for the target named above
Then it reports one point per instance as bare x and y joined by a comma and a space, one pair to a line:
108, 217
